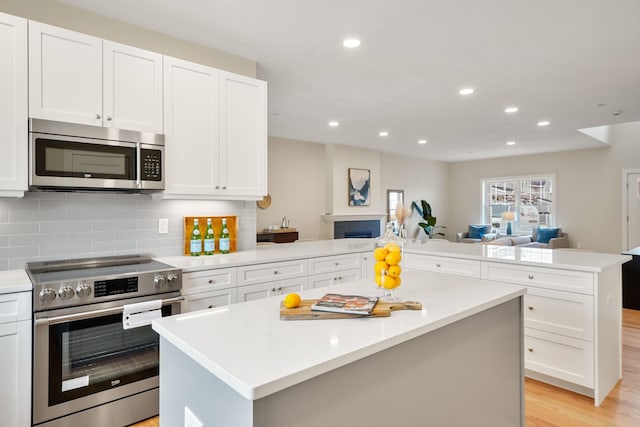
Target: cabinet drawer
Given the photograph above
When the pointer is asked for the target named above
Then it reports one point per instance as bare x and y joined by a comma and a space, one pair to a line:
562, 357
206, 300
209, 280
272, 271
15, 307
453, 266
270, 289
550, 278
336, 278
564, 313
328, 264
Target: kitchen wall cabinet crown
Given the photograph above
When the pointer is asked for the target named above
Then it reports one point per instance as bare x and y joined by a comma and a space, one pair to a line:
78, 78
215, 133
13, 106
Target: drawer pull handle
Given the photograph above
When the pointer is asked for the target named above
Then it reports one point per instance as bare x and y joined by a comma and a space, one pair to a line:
273, 289
531, 276
336, 263
339, 277
531, 307
210, 281
275, 271
438, 265
211, 306
280, 289
530, 350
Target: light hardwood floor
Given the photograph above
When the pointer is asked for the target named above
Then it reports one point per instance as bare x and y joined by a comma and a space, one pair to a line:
549, 406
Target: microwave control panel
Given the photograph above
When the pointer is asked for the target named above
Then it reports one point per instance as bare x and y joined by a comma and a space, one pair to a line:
151, 165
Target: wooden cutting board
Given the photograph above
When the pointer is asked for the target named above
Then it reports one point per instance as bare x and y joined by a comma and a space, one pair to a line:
382, 309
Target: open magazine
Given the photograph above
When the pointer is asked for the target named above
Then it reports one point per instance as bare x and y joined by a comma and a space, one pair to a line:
350, 304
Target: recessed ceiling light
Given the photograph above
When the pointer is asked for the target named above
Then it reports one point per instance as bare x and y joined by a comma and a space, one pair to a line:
511, 143
511, 109
383, 133
466, 91
333, 123
543, 123
422, 141
351, 43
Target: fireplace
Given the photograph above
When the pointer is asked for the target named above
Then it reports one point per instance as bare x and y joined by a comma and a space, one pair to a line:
356, 229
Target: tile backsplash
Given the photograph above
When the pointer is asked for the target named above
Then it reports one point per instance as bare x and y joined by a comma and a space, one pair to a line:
44, 226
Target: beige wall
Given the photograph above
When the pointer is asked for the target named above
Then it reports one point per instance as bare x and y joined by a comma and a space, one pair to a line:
588, 187
61, 15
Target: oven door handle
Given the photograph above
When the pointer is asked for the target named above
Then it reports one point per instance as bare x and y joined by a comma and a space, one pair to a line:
94, 313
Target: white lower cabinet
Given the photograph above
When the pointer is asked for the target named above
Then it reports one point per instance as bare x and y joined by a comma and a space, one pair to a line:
15, 359
270, 289
335, 278
206, 300
367, 264
437, 264
260, 273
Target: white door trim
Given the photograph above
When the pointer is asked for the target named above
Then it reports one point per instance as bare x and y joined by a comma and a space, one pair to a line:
624, 215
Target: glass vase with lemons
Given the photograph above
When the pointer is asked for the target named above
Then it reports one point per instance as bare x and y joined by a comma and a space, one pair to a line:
388, 256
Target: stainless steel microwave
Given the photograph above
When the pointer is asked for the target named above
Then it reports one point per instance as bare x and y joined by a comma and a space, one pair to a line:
68, 157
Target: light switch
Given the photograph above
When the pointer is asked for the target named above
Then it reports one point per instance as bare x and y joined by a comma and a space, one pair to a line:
163, 226
191, 420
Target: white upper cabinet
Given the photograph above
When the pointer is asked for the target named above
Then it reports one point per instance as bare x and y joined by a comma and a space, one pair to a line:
13, 106
132, 96
243, 135
77, 78
215, 133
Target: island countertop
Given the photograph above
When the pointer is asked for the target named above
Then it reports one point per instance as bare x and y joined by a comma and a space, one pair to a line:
250, 349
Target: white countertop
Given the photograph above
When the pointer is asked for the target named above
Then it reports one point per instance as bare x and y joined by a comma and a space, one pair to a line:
270, 253
14, 281
570, 259
249, 348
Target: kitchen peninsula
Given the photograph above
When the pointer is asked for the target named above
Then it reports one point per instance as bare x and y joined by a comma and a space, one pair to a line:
459, 361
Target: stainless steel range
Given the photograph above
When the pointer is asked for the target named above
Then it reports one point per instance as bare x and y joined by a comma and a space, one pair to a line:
95, 359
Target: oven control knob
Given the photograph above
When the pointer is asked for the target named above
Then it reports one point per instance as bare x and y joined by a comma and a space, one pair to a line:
160, 280
83, 290
172, 279
47, 295
66, 292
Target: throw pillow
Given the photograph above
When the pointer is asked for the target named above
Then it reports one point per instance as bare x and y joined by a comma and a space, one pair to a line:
477, 231
546, 234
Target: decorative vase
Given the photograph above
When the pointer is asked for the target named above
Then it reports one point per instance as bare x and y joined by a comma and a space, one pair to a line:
388, 253
509, 228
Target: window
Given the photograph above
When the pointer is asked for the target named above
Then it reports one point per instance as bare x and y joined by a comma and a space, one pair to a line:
531, 198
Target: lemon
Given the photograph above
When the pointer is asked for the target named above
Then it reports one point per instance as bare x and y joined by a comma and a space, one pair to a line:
389, 282
379, 254
292, 300
378, 279
379, 266
392, 247
394, 270
393, 258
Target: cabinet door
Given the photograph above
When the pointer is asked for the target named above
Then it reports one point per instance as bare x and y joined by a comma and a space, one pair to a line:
270, 289
15, 371
208, 280
208, 300
65, 75
132, 91
13, 105
334, 263
271, 272
447, 265
335, 278
243, 136
191, 127
367, 265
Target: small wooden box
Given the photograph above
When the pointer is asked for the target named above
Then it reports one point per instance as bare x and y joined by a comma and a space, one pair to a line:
216, 223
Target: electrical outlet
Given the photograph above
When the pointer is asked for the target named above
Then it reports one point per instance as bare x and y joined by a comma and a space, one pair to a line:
191, 420
163, 226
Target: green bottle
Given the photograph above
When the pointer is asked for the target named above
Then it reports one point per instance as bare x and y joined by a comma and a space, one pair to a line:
196, 239
209, 239
224, 238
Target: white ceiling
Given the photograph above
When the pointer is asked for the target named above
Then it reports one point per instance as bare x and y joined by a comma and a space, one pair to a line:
558, 60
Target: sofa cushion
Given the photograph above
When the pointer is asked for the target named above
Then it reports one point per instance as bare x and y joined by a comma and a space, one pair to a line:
546, 233
522, 240
477, 231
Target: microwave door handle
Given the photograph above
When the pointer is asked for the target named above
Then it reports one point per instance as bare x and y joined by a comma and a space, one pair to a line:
138, 166
94, 313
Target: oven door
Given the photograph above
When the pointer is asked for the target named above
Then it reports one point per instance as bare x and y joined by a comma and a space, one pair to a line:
83, 357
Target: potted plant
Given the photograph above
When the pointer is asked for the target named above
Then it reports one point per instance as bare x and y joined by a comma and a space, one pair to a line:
429, 225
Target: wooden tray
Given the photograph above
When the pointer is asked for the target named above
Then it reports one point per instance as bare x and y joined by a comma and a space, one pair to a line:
382, 309
216, 223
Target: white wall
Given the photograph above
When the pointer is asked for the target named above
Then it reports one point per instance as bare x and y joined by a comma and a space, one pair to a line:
62, 15
588, 187
296, 185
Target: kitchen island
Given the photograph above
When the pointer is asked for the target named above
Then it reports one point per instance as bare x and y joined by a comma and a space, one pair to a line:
458, 361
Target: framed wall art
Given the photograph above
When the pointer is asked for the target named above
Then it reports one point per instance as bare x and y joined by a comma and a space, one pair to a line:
359, 184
